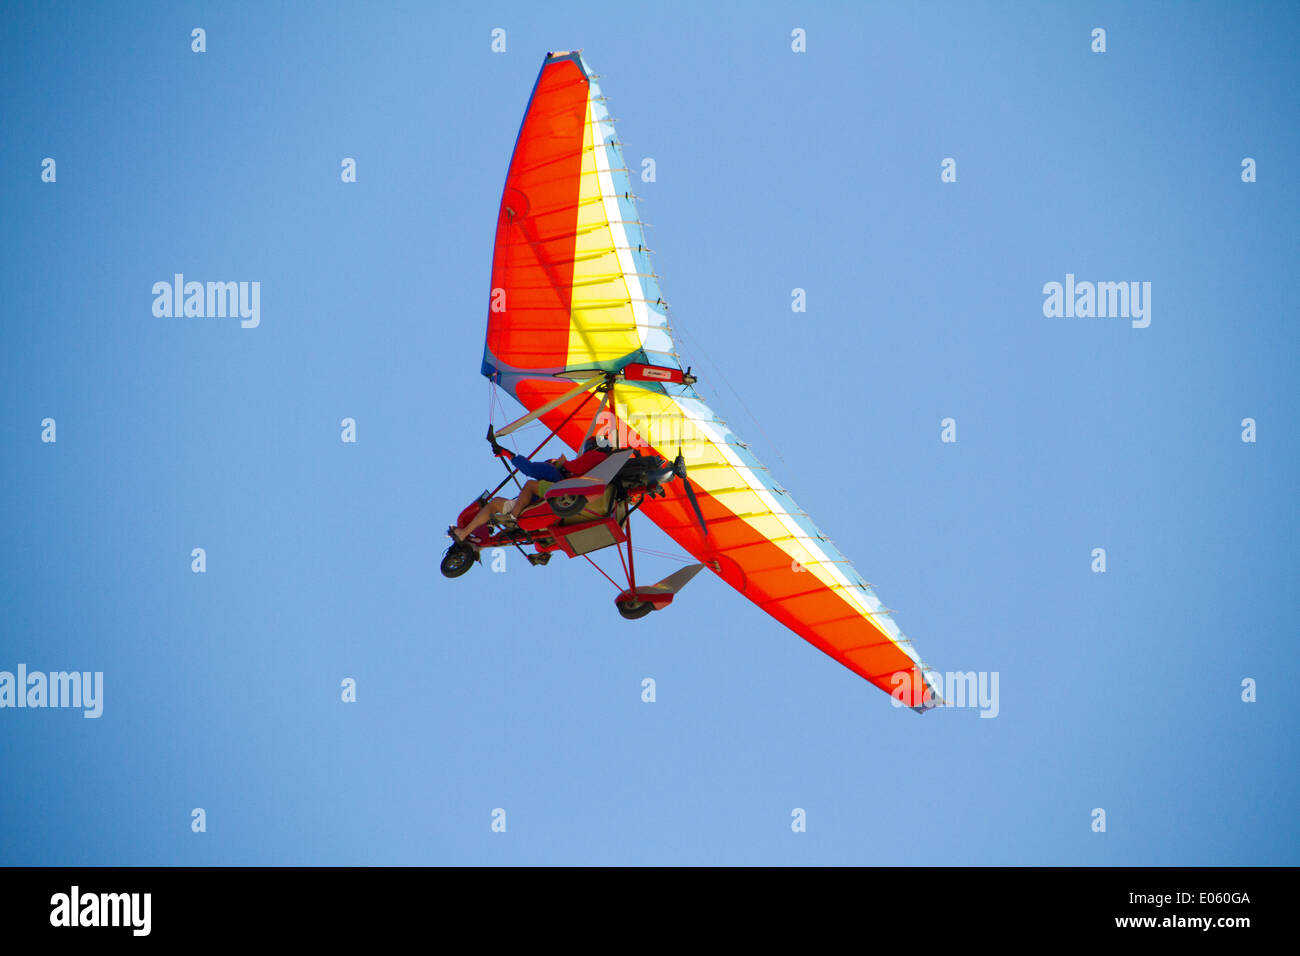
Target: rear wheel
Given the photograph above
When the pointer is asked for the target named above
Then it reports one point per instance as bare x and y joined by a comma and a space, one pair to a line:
634, 610
458, 559
565, 505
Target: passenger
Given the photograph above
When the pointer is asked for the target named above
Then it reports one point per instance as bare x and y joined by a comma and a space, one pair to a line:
542, 475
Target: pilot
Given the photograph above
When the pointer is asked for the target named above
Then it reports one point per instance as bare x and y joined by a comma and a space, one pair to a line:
541, 474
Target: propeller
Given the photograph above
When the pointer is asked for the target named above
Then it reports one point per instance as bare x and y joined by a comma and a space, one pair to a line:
679, 469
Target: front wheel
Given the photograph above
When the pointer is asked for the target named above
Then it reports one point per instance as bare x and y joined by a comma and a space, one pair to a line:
458, 559
634, 610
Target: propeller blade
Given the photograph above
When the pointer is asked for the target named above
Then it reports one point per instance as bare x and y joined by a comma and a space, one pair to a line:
690, 493
679, 469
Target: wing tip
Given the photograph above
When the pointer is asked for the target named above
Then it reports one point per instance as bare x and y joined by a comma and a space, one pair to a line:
574, 56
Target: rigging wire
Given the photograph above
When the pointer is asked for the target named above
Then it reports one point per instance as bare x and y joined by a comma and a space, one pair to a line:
692, 345
500, 405
665, 554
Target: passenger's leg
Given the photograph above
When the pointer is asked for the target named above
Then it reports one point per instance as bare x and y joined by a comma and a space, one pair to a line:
524, 499
483, 517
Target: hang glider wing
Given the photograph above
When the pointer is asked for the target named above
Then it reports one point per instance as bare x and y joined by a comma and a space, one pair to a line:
573, 295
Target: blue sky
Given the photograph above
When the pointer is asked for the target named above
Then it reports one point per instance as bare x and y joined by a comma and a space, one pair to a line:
522, 690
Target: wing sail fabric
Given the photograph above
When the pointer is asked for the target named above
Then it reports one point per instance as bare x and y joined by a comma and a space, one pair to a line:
571, 277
